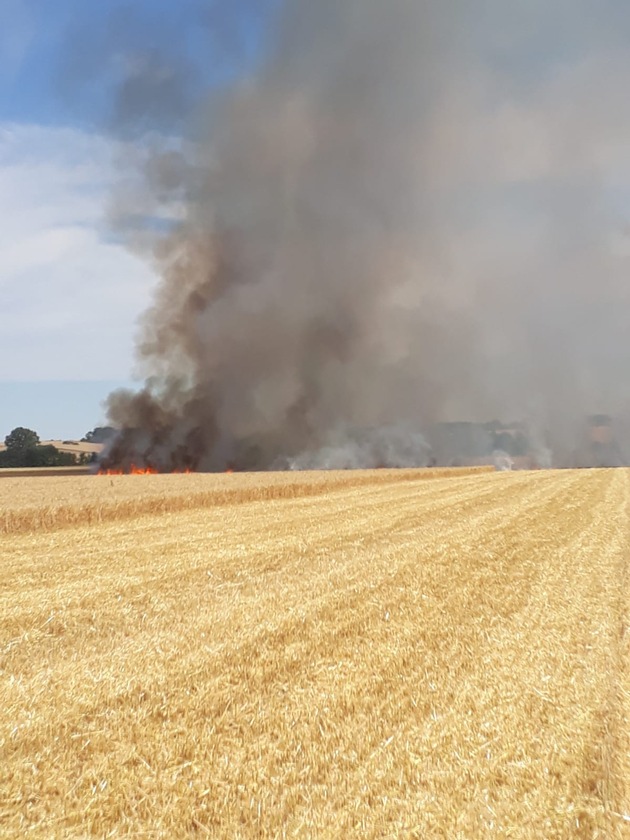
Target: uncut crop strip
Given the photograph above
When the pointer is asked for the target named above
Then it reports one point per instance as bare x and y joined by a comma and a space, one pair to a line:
46, 504
424, 659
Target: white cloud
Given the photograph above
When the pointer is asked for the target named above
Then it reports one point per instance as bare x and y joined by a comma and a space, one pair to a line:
69, 296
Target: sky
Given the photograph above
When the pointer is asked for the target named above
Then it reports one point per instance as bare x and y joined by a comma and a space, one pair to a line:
65, 339
71, 81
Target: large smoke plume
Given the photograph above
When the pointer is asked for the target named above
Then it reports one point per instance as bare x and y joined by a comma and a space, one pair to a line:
407, 212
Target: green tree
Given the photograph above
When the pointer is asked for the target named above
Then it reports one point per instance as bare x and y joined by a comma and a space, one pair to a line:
21, 440
100, 434
49, 456
10, 458
23, 450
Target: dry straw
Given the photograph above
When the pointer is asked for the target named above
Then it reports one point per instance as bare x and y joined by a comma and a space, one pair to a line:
41, 505
422, 659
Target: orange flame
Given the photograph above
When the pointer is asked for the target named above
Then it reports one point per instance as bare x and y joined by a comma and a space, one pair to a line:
142, 470
134, 470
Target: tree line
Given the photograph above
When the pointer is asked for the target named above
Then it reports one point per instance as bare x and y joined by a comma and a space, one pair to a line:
23, 449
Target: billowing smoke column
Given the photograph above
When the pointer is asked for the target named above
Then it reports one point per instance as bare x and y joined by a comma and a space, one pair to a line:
409, 212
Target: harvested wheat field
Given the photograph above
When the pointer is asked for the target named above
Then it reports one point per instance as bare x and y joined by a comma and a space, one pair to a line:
366, 655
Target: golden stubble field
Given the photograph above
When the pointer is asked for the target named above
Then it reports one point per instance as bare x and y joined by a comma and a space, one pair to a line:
356, 655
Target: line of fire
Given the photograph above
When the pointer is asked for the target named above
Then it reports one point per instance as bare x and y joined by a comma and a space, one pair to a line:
504, 446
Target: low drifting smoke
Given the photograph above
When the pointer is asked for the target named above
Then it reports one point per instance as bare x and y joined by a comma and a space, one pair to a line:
403, 213
345, 449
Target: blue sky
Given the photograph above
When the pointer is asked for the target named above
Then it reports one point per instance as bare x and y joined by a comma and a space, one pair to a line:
65, 338
60, 60
57, 410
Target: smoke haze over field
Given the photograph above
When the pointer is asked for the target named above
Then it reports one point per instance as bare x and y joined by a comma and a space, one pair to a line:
408, 212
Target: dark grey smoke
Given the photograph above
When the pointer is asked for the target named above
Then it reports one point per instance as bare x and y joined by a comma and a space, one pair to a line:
410, 212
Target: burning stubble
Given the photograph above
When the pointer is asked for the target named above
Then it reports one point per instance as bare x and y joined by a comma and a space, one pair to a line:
407, 213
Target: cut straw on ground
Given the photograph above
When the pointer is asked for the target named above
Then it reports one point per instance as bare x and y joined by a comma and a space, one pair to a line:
60, 502
428, 659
